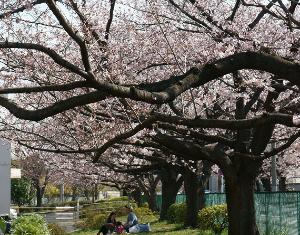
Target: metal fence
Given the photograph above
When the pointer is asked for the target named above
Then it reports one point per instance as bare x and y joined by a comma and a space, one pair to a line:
276, 212
65, 216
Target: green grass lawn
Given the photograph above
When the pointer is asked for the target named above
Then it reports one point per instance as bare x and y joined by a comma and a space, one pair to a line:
160, 228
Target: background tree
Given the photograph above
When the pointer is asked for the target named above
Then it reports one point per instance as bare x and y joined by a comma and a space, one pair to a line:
21, 192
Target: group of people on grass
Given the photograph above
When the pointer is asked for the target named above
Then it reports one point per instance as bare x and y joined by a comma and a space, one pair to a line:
131, 226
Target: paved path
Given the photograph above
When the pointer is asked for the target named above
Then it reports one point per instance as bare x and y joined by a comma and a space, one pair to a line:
66, 220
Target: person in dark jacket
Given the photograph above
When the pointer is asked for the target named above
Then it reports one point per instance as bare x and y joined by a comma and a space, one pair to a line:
110, 224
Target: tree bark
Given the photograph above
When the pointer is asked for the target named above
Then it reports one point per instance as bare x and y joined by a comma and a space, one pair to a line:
87, 194
96, 192
39, 195
124, 192
171, 184
151, 199
150, 190
240, 202
74, 193
267, 184
192, 191
282, 184
137, 196
194, 185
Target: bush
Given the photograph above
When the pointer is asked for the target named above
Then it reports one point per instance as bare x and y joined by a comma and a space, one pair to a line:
140, 211
144, 214
123, 198
21, 191
145, 204
94, 221
176, 213
105, 207
56, 230
214, 218
2, 225
30, 225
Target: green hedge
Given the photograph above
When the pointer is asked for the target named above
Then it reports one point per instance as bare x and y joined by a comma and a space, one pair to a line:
123, 198
145, 215
94, 221
105, 207
2, 225
214, 218
176, 213
30, 225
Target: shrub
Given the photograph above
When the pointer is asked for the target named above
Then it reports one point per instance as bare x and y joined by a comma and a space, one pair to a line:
123, 198
214, 218
56, 230
143, 211
30, 225
105, 207
144, 214
2, 225
176, 213
145, 204
21, 191
94, 221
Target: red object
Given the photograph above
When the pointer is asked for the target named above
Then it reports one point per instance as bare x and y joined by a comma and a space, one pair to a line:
119, 229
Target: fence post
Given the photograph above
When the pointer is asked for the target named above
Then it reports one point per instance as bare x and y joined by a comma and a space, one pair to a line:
77, 209
266, 214
280, 209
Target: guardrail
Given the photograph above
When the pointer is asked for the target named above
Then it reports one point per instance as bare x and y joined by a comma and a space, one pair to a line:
67, 216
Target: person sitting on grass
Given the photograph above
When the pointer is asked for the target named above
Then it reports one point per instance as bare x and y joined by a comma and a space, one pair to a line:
132, 225
132, 219
110, 224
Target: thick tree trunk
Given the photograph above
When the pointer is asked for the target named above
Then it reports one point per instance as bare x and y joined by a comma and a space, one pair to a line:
282, 184
240, 203
39, 196
169, 194
124, 192
169, 190
192, 191
150, 190
267, 184
151, 199
74, 193
87, 194
137, 196
95, 192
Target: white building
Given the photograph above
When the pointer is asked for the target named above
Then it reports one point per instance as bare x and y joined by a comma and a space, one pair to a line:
293, 183
216, 183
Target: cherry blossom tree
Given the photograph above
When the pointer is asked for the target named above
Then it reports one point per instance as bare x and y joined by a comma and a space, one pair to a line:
35, 169
169, 65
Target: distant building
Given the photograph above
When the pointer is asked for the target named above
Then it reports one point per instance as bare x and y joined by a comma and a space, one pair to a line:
216, 183
293, 183
109, 194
